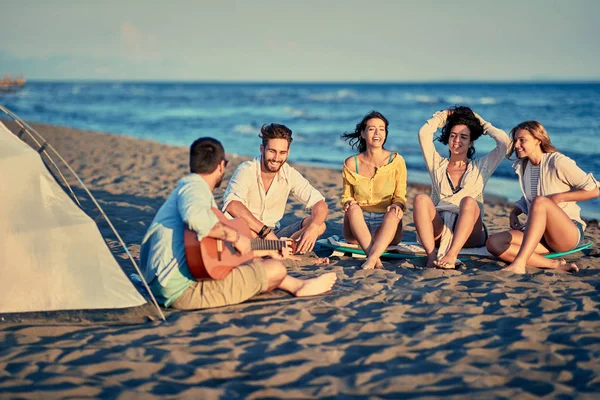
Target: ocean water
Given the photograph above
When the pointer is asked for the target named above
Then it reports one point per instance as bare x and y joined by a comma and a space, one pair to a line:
318, 113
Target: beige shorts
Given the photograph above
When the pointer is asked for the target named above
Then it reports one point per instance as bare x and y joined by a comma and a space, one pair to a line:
241, 284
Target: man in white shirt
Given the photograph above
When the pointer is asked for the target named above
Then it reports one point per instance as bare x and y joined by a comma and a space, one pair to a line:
259, 189
163, 259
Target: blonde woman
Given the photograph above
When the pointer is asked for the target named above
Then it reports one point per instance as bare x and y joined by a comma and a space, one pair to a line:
374, 195
551, 184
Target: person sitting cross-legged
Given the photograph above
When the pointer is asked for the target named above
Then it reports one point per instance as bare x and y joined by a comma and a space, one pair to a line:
163, 258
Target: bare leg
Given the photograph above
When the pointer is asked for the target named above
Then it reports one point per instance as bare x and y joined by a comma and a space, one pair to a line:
278, 278
428, 224
355, 228
547, 220
389, 231
468, 232
506, 245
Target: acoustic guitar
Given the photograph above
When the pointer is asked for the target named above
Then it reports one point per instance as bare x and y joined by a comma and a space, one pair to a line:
212, 258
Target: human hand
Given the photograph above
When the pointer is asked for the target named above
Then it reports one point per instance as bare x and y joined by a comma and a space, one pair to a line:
481, 121
243, 244
514, 220
284, 253
308, 238
396, 209
442, 117
555, 198
348, 204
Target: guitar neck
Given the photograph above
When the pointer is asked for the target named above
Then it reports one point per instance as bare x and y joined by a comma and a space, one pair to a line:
261, 244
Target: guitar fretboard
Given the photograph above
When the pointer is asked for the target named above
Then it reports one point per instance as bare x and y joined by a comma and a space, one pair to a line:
260, 244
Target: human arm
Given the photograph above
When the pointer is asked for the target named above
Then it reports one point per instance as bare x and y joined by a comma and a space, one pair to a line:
283, 254
494, 157
347, 187
426, 133
235, 198
195, 203
521, 204
223, 232
238, 210
513, 218
314, 201
399, 195
308, 237
583, 186
575, 195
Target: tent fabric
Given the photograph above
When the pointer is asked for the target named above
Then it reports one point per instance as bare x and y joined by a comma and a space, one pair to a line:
52, 255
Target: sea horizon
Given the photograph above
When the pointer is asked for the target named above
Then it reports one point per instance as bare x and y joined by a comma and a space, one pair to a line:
176, 112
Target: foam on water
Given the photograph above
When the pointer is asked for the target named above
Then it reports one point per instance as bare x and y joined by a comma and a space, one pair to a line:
318, 113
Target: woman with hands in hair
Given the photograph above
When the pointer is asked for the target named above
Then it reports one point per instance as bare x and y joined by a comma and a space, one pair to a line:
452, 217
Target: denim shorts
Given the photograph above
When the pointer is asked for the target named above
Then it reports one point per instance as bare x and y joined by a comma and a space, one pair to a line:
373, 220
581, 235
289, 230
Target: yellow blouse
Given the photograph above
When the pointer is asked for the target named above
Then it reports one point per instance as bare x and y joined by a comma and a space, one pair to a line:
375, 194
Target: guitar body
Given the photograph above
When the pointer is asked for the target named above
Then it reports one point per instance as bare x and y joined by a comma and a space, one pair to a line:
214, 258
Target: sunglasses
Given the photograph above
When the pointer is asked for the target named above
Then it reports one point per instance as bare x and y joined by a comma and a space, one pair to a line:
225, 161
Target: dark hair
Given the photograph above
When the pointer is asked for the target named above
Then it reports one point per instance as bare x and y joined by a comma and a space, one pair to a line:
462, 115
205, 155
275, 131
355, 138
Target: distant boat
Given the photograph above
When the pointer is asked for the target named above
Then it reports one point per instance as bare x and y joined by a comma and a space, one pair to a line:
11, 83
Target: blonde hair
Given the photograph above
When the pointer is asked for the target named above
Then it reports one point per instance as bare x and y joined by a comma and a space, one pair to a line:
537, 130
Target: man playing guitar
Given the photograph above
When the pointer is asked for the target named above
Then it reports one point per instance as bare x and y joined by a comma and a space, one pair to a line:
163, 257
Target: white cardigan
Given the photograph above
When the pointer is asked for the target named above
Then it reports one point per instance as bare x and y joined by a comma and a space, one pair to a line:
473, 181
478, 171
558, 174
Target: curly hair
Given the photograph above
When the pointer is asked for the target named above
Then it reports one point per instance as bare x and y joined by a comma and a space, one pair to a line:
355, 138
537, 130
275, 131
462, 115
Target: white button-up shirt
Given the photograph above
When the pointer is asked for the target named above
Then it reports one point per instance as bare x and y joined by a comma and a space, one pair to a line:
246, 186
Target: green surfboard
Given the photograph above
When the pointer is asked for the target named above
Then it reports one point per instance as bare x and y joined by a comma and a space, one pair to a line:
415, 250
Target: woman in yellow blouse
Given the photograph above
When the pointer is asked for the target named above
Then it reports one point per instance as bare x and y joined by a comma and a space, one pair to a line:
374, 197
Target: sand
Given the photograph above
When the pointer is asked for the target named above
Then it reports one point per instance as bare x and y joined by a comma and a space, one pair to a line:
398, 332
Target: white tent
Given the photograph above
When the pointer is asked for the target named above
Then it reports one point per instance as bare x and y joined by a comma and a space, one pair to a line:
52, 255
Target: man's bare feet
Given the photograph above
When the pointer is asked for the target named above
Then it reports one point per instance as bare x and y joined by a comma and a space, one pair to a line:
431, 257
446, 262
318, 285
322, 260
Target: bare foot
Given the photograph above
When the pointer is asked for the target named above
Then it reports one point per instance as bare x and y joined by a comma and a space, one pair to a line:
567, 267
371, 264
446, 262
516, 269
431, 257
318, 285
322, 260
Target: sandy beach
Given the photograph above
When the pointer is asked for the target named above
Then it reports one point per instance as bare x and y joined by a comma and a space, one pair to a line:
398, 332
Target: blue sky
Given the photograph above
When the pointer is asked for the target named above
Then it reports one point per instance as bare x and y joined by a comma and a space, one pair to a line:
309, 40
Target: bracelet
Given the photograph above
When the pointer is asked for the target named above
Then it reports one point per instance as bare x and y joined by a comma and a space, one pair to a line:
264, 231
